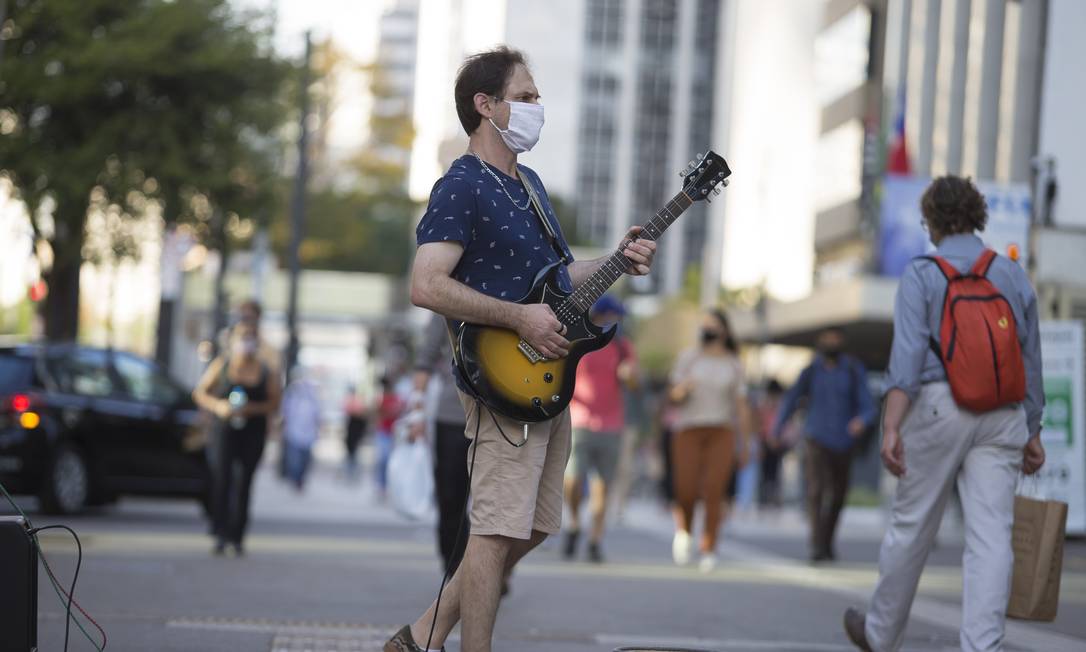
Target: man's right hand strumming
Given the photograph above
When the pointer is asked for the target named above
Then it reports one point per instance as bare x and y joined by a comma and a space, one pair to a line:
538, 326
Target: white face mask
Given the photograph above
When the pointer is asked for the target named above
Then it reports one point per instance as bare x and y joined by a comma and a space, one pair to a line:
245, 347
525, 123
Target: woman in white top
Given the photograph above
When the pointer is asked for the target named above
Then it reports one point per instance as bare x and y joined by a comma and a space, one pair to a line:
708, 385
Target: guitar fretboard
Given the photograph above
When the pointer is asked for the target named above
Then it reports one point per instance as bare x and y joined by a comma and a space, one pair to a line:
616, 264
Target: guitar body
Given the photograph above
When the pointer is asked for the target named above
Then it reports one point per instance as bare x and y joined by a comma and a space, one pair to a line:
513, 379
508, 378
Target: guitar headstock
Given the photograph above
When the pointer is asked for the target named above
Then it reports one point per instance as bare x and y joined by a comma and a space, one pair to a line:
706, 176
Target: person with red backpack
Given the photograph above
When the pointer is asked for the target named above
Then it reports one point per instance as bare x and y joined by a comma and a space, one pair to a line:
963, 408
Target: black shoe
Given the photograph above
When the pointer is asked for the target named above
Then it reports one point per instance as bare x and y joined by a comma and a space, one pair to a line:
595, 555
239, 550
855, 621
220, 548
570, 548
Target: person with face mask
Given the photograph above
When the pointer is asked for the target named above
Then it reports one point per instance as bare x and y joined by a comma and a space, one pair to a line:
712, 429
240, 391
481, 243
839, 411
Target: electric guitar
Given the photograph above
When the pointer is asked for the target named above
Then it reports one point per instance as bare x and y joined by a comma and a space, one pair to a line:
515, 380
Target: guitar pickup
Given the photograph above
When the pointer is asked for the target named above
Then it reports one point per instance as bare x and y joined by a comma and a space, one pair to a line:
530, 352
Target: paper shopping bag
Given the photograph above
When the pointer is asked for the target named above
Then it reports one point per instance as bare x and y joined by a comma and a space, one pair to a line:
1038, 558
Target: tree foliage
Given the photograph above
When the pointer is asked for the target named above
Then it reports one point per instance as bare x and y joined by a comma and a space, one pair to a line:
368, 224
117, 99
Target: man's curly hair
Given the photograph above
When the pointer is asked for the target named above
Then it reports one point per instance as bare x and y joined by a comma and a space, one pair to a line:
953, 205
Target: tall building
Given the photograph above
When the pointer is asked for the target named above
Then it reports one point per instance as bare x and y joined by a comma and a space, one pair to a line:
965, 77
646, 107
448, 31
394, 73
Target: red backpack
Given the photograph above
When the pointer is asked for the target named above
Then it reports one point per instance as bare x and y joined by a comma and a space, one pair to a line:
978, 340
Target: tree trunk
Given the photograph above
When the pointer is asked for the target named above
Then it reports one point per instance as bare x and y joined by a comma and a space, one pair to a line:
60, 310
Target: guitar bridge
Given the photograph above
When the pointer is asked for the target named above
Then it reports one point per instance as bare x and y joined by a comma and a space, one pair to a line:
530, 352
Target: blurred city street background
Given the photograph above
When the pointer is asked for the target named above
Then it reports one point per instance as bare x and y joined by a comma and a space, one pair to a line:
169, 167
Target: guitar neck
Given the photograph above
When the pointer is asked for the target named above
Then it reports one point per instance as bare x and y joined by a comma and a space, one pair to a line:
616, 264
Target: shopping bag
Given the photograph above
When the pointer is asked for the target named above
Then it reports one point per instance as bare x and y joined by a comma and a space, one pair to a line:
410, 478
1037, 537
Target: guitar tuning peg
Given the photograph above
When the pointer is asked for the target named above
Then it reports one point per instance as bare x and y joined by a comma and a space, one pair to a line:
725, 182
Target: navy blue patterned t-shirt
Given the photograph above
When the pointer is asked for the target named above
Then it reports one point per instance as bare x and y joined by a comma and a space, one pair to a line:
505, 247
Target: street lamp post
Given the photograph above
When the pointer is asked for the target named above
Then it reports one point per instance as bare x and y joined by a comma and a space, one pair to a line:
297, 210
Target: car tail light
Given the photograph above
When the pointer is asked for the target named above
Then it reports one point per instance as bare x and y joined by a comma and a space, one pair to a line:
27, 418
20, 403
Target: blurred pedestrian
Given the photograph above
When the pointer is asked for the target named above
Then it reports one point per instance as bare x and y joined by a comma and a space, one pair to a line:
666, 413
301, 424
964, 409
355, 413
772, 451
434, 366
242, 392
598, 416
707, 384
389, 409
839, 411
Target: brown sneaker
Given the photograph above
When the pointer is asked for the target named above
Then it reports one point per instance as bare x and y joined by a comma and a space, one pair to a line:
854, 628
404, 642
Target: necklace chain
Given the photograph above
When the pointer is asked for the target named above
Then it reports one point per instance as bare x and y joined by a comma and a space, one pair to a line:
500, 183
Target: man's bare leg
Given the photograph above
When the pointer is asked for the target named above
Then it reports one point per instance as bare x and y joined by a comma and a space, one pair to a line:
599, 509
451, 612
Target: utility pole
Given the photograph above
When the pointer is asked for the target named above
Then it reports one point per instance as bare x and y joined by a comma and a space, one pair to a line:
297, 210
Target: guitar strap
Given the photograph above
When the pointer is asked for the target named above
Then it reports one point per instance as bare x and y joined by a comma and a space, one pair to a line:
548, 228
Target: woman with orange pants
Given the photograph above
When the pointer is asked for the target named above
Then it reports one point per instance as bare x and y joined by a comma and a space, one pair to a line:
709, 387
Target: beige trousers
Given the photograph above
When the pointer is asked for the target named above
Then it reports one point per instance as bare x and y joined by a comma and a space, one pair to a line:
982, 455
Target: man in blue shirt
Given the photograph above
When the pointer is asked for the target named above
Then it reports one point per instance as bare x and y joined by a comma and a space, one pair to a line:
839, 411
480, 246
933, 446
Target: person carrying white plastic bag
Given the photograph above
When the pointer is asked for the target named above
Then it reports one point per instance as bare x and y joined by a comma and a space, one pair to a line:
410, 470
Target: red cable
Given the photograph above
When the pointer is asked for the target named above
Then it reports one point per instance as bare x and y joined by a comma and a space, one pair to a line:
57, 585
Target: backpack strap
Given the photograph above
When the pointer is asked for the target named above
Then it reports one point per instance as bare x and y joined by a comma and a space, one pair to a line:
983, 264
948, 270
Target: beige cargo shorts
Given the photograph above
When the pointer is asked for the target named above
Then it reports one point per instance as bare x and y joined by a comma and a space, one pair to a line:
516, 490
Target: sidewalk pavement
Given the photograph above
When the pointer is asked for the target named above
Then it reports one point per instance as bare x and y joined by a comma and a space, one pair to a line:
332, 570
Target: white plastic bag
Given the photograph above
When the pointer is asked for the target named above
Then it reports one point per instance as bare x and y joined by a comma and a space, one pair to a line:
410, 478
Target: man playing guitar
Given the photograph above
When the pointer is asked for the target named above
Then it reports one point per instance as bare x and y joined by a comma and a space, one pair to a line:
480, 246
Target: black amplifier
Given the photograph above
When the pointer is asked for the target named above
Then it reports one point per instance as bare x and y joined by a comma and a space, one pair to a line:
18, 587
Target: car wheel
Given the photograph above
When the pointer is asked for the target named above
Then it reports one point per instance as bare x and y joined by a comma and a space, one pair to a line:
67, 484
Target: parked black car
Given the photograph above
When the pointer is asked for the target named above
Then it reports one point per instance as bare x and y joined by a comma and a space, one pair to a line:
81, 426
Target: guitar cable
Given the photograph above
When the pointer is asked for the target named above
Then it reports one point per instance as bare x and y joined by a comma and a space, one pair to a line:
32, 533
460, 529
467, 497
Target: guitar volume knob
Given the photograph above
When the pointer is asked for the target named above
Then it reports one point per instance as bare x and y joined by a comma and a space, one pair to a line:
548, 377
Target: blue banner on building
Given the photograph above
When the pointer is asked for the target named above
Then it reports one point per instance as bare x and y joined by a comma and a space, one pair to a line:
902, 236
